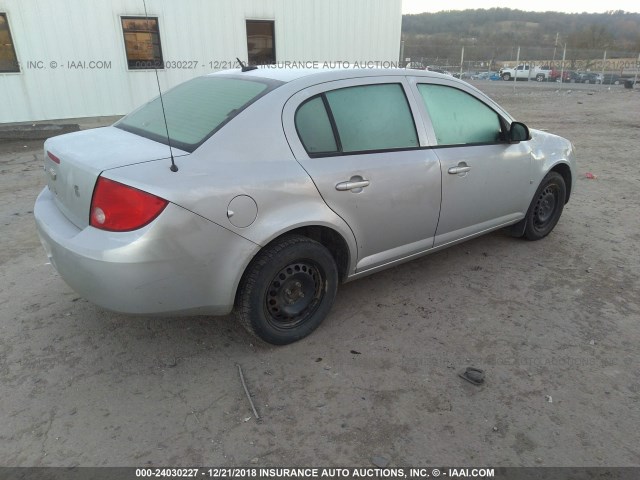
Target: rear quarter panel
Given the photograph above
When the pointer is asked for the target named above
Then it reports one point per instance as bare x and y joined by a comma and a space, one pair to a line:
248, 156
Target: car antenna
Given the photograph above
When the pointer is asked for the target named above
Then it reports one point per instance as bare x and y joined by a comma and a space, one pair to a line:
246, 68
173, 167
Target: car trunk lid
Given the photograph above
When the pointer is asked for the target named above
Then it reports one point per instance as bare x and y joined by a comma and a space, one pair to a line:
73, 163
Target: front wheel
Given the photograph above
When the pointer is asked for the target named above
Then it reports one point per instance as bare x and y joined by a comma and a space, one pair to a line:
287, 290
546, 207
506, 77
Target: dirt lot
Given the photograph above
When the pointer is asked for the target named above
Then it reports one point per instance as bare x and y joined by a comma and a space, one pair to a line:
555, 323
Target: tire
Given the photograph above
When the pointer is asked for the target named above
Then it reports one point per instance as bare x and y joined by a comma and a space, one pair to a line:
287, 290
506, 77
540, 77
546, 207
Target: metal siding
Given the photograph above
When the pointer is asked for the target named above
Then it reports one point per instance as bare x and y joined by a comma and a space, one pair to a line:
202, 30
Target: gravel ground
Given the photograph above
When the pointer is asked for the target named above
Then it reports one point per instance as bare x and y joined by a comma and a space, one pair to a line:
555, 324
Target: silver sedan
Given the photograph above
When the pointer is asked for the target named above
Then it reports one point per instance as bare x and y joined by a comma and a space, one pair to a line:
265, 188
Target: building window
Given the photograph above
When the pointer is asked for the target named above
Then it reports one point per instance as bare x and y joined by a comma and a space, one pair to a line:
261, 42
8, 58
142, 42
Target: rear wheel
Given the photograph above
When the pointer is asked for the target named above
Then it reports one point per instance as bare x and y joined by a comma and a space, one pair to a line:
287, 290
546, 207
540, 77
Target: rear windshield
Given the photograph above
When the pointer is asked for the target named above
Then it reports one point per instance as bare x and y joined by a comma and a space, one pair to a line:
195, 110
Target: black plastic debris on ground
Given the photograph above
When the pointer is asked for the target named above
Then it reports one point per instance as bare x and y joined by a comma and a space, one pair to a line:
472, 375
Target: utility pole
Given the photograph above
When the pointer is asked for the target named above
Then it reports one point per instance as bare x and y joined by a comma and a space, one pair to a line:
515, 78
604, 60
564, 55
554, 51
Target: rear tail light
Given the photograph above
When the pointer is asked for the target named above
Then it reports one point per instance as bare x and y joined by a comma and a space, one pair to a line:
119, 208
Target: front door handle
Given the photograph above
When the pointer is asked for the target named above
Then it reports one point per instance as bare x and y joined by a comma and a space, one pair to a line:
461, 168
352, 184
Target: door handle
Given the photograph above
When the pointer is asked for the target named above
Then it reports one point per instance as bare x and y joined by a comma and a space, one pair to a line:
343, 186
459, 169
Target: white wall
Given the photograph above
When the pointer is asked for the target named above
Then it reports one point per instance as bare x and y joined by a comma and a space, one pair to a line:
63, 31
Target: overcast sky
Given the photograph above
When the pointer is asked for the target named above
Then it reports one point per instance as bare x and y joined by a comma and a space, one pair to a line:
571, 6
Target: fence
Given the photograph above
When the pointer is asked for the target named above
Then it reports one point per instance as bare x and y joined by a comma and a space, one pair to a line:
467, 61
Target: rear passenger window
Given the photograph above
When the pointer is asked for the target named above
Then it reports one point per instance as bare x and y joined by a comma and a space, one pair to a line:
314, 127
372, 117
459, 118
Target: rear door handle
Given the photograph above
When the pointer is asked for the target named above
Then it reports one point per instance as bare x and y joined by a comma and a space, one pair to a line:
459, 169
343, 186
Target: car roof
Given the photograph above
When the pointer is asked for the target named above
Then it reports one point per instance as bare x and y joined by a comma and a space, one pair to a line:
300, 78
287, 75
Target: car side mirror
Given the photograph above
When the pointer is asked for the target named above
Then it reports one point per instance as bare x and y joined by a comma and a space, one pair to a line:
518, 132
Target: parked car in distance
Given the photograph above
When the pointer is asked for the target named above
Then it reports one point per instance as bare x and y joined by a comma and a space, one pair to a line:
487, 76
415, 66
572, 77
542, 75
591, 77
439, 70
468, 75
525, 72
555, 74
272, 186
611, 79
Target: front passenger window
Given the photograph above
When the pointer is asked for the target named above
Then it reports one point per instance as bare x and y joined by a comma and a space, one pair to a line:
459, 118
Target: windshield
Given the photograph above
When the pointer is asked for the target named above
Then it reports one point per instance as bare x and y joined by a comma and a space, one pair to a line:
195, 110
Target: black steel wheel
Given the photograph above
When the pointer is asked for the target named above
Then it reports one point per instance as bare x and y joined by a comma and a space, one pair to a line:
546, 207
287, 290
294, 294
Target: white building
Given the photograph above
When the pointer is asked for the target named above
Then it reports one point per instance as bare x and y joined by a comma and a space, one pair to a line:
80, 58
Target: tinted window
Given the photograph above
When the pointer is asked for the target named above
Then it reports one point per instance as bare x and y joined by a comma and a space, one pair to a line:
459, 118
142, 42
8, 59
372, 117
314, 127
194, 110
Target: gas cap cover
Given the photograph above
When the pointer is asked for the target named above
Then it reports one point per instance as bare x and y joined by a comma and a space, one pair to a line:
242, 211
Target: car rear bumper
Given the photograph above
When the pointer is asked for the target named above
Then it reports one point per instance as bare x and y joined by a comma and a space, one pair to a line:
180, 263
